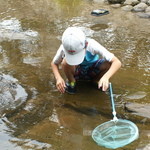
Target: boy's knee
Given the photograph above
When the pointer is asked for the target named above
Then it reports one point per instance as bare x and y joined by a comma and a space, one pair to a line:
105, 66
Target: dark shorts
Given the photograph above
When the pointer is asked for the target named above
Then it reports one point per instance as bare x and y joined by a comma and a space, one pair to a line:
88, 73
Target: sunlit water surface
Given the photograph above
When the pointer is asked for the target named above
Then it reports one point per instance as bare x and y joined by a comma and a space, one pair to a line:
30, 34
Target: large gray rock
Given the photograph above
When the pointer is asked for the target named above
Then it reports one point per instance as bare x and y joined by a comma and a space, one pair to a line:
140, 7
131, 2
12, 94
148, 2
147, 9
127, 8
144, 1
116, 5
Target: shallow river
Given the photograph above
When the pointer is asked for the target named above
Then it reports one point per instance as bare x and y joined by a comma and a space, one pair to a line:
30, 34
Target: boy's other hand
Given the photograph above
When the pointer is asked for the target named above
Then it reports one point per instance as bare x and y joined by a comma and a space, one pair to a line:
60, 84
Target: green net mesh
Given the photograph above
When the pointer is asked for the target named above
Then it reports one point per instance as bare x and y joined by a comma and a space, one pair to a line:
115, 134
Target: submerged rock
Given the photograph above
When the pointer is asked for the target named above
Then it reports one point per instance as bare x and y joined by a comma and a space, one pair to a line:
12, 94
12, 30
142, 110
137, 95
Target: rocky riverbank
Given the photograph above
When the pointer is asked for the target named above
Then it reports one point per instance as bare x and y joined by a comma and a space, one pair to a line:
140, 7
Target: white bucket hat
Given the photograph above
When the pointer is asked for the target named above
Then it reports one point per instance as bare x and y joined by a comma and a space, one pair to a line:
73, 41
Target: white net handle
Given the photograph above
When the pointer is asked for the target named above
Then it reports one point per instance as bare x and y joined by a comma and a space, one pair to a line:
112, 103
114, 118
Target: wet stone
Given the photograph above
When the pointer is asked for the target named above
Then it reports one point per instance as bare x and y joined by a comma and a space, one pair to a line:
12, 94
137, 95
138, 109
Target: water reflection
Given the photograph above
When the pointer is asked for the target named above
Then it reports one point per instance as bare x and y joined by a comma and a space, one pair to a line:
30, 33
68, 7
17, 143
98, 27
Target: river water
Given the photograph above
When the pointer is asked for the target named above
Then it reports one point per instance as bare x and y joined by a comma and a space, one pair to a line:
30, 34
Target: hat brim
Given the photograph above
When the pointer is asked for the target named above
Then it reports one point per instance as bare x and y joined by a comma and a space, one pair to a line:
75, 59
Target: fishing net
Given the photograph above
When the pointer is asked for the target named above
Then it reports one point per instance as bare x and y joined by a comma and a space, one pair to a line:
115, 134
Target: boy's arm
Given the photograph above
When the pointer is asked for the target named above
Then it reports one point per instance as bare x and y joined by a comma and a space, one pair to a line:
104, 81
60, 83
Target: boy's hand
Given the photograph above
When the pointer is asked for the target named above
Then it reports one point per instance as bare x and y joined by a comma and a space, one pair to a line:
103, 83
60, 84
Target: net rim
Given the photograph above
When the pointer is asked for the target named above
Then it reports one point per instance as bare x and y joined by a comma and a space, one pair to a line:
134, 137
